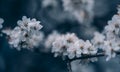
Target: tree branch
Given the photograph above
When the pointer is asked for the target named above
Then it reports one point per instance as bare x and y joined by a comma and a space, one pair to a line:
89, 56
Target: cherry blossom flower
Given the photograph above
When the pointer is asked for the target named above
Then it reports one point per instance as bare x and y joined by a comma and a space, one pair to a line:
63, 45
51, 38
98, 39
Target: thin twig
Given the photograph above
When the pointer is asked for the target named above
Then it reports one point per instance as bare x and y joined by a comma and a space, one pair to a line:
69, 66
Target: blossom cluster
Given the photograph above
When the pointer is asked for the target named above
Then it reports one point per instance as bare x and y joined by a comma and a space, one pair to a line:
82, 10
112, 34
69, 45
109, 40
26, 35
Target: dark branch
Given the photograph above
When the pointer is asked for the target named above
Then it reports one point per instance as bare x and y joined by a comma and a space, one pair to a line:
89, 56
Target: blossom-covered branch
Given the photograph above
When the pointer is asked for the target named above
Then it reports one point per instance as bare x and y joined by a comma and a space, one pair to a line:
69, 45
27, 35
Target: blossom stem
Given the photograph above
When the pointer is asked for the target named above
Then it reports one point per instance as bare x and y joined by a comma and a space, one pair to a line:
89, 56
69, 66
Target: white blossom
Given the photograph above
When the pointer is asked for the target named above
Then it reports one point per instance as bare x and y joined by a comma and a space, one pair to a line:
64, 45
89, 49
79, 47
1, 22
51, 38
98, 39
82, 10
26, 35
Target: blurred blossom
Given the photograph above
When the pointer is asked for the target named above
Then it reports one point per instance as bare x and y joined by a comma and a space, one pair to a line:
46, 3
54, 12
82, 10
1, 22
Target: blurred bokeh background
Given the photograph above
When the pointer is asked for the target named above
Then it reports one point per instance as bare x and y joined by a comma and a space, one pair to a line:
53, 17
